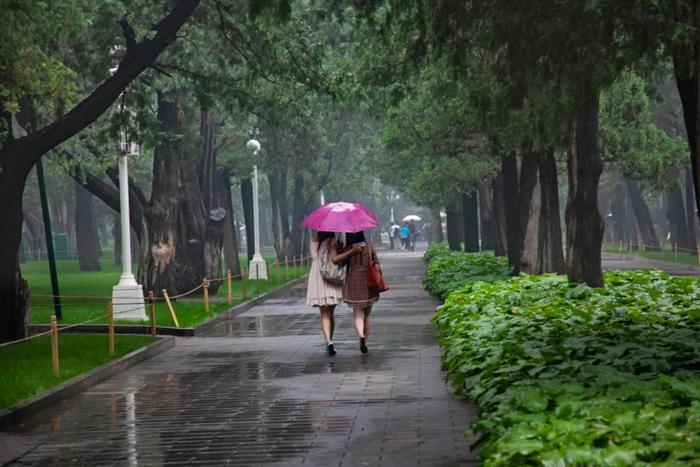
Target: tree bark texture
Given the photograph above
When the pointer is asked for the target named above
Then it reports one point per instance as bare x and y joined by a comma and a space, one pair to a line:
247, 202
641, 213
487, 222
174, 217
584, 225
282, 238
676, 215
436, 224
87, 241
551, 250
454, 219
230, 246
470, 221
530, 208
511, 195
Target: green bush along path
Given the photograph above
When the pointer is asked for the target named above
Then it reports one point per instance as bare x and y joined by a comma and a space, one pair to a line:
79, 286
570, 375
26, 366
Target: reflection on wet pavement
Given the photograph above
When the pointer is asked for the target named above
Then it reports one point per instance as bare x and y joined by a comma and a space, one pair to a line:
259, 389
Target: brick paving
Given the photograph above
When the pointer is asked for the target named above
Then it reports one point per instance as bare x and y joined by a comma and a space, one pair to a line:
259, 389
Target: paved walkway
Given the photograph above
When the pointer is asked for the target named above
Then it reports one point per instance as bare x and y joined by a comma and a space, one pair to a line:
617, 261
260, 390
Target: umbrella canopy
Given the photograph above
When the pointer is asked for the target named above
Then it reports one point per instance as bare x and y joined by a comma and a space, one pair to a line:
341, 217
411, 217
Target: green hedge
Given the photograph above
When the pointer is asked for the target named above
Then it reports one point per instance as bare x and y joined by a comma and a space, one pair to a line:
569, 375
447, 270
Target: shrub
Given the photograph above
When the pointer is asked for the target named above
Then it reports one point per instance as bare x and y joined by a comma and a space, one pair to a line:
569, 375
447, 270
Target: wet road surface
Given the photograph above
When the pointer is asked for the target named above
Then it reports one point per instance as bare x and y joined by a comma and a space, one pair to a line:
259, 389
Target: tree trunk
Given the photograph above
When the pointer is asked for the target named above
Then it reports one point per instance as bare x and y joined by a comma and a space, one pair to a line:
487, 221
511, 195
687, 69
174, 230
453, 222
619, 215
529, 212
551, 251
299, 210
641, 213
584, 225
280, 215
15, 303
470, 221
690, 207
87, 242
247, 202
436, 224
676, 216
499, 215
233, 263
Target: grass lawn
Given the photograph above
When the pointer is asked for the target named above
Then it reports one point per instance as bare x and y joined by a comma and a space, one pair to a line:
81, 285
26, 366
666, 254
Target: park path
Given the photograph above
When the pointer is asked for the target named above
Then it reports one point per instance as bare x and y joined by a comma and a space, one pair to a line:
259, 389
618, 261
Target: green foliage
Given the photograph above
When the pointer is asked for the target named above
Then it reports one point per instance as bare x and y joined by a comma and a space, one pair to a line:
569, 375
629, 140
447, 270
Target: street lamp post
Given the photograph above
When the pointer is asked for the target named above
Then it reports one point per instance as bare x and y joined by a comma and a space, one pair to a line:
127, 295
257, 269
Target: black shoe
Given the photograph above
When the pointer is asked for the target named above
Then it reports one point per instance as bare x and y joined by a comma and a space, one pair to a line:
363, 346
330, 349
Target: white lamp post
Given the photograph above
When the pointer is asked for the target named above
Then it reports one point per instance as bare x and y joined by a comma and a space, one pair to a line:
127, 295
257, 269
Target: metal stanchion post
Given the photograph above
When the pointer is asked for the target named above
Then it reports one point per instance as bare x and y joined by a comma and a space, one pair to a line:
54, 345
152, 309
229, 291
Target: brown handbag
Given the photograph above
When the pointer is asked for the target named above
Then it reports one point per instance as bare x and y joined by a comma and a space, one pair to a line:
375, 279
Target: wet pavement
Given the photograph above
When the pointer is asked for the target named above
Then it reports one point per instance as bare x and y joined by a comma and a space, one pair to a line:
259, 389
625, 262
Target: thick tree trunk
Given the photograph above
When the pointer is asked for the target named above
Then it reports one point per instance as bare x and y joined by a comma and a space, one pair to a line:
551, 251
641, 213
454, 219
87, 242
470, 221
436, 224
173, 256
584, 225
280, 215
15, 302
530, 212
247, 202
676, 216
690, 216
499, 215
687, 71
223, 177
511, 196
487, 220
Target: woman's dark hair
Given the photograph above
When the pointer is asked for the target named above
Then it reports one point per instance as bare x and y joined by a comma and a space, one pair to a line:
355, 237
323, 236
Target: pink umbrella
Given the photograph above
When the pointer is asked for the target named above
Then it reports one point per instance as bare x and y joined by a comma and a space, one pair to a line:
341, 217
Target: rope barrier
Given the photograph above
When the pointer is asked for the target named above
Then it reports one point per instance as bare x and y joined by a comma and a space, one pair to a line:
146, 299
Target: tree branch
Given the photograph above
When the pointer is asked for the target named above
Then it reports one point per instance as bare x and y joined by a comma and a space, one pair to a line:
142, 54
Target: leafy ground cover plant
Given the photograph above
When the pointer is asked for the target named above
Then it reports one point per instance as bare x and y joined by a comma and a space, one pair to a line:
570, 375
447, 270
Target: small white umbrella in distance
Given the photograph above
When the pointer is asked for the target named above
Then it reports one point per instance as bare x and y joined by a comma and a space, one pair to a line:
411, 217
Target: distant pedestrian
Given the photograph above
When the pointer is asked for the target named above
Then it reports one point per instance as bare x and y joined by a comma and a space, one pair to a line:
412, 234
320, 292
356, 293
404, 237
395, 236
